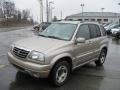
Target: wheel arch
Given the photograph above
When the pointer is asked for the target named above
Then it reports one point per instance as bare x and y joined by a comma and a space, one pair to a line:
104, 48
60, 58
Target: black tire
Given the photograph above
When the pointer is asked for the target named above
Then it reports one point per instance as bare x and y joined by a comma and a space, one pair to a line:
118, 36
21, 76
54, 73
102, 58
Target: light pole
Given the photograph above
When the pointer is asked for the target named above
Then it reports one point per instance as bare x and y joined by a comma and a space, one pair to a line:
82, 6
61, 15
102, 13
41, 10
119, 18
41, 13
47, 11
50, 10
102, 10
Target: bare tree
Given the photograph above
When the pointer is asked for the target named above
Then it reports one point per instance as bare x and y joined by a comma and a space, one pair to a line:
13, 16
8, 9
25, 14
1, 8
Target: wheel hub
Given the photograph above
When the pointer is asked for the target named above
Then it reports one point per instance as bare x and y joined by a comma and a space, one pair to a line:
102, 59
61, 74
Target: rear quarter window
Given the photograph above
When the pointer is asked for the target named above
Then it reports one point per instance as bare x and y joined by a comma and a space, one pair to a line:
98, 30
103, 31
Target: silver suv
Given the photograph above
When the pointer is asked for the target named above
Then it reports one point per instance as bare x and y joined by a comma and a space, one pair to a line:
59, 49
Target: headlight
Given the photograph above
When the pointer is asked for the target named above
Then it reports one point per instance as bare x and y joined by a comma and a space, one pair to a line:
34, 55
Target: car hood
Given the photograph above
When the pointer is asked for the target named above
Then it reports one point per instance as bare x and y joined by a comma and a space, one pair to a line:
40, 44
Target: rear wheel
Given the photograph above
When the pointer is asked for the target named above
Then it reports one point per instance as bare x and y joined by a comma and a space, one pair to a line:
60, 73
102, 58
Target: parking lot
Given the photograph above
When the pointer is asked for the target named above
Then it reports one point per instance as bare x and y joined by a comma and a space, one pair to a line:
88, 77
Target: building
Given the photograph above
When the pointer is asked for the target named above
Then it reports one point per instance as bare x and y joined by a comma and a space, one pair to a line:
1, 14
101, 17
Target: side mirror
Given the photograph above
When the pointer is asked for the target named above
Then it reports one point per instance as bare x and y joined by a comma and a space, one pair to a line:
80, 40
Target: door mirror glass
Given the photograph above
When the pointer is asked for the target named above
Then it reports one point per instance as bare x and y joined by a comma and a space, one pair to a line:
80, 40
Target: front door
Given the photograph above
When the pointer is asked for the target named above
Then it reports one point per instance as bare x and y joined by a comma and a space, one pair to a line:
83, 51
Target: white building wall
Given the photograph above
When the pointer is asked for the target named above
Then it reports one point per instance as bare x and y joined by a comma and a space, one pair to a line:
110, 19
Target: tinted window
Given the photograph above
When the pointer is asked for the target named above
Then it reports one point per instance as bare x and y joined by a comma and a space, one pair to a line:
93, 31
84, 32
98, 31
103, 30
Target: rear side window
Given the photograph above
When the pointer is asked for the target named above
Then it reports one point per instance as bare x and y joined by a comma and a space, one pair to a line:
103, 30
94, 31
98, 31
84, 32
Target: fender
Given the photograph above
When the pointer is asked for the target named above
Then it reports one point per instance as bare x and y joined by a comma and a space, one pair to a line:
104, 45
58, 57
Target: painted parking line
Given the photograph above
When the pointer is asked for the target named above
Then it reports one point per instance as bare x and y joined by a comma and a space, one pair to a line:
2, 66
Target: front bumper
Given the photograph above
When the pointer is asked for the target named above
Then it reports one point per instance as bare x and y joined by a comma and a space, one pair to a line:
116, 34
33, 69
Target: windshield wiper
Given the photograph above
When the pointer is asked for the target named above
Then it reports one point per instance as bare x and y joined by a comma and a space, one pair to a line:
42, 35
55, 37
51, 37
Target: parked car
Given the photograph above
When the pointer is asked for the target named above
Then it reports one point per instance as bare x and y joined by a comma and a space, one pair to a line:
44, 26
106, 24
60, 49
116, 32
36, 27
111, 26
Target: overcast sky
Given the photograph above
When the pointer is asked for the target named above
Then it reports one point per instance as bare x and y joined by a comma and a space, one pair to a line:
69, 7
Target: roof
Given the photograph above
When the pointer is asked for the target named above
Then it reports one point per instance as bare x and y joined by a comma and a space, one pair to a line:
95, 14
76, 22
71, 22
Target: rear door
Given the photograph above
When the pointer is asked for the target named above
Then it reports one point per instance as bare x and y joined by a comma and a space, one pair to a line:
96, 39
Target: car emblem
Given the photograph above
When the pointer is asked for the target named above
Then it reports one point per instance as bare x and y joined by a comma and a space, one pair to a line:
18, 51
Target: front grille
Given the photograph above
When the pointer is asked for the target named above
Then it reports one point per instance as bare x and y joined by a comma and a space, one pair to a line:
20, 52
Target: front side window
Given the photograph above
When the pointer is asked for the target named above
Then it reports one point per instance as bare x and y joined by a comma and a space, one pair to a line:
61, 31
84, 32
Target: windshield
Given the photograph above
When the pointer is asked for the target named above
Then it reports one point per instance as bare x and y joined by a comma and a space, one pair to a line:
61, 31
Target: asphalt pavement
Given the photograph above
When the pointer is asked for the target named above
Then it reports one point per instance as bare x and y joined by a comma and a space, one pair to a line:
88, 77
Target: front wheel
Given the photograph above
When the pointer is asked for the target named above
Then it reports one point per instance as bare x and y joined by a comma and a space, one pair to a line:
118, 36
60, 73
102, 58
